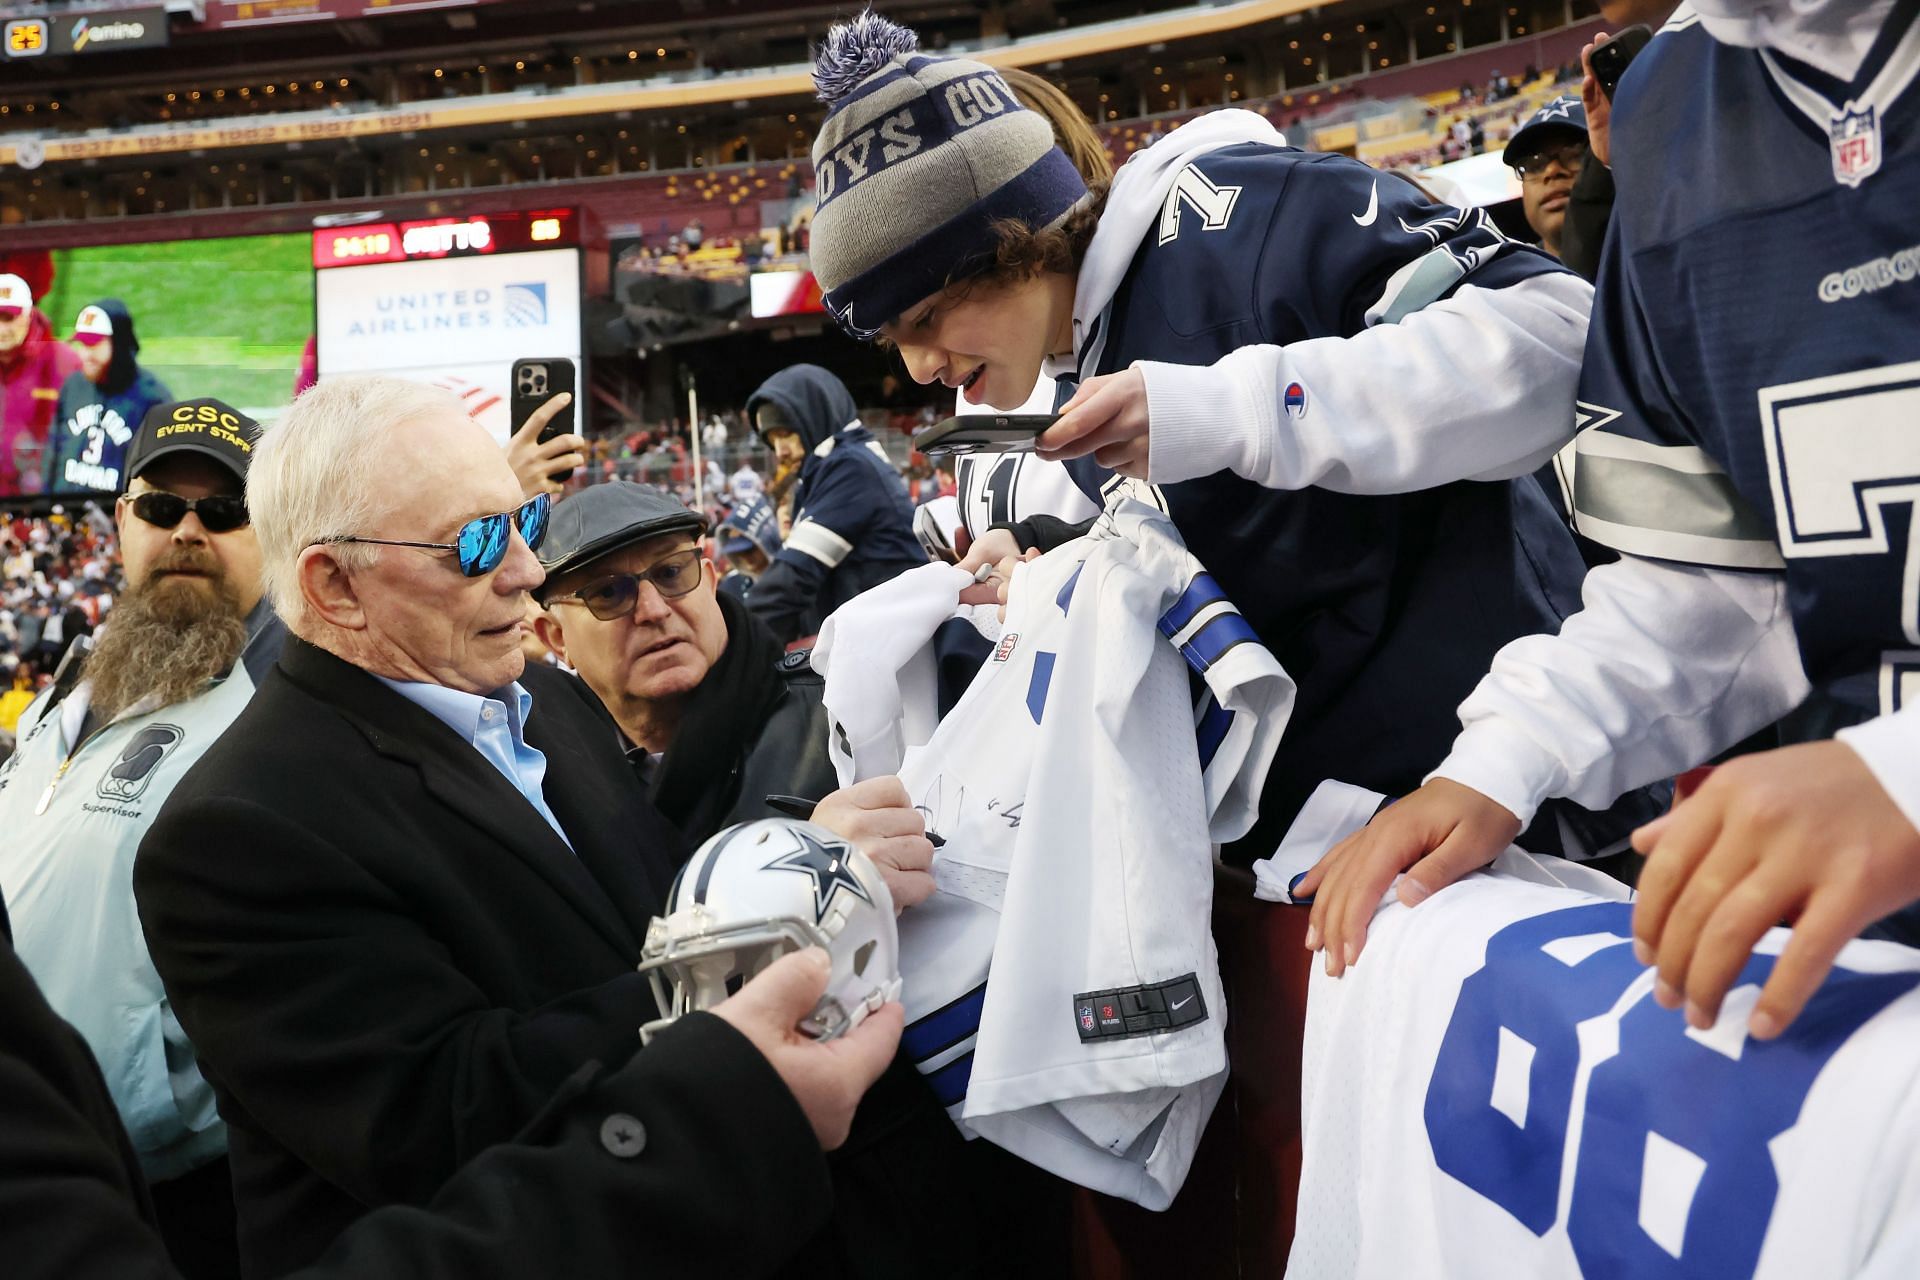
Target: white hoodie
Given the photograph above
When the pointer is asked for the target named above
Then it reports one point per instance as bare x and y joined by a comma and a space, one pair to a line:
1476, 386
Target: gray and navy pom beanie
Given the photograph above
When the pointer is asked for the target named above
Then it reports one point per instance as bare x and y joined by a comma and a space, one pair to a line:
917, 159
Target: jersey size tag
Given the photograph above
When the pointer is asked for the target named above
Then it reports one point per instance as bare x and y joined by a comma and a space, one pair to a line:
1145, 1010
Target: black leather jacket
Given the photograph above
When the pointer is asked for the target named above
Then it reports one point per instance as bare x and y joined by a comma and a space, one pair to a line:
787, 758
755, 727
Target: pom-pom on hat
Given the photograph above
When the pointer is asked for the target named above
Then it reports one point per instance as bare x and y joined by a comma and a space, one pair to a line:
917, 159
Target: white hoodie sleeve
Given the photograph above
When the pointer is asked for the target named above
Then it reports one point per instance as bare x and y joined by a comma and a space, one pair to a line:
1891, 747
1665, 666
1477, 386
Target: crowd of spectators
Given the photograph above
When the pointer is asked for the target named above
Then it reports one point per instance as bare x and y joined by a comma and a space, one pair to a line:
59, 575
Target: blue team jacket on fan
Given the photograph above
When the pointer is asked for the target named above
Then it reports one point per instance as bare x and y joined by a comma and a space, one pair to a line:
852, 520
1386, 609
1752, 376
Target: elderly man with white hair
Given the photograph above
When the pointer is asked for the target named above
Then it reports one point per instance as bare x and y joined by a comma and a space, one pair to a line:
401, 902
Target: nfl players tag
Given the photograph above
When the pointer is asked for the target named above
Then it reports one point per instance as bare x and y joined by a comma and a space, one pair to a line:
1854, 136
1853, 131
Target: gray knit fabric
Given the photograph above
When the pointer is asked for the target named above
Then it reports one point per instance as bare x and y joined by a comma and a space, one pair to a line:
867, 216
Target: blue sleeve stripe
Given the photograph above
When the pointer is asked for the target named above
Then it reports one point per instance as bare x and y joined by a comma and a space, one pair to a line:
1038, 683
949, 1083
945, 1027
1214, 723
1200, 593
1066, 592
1212, 641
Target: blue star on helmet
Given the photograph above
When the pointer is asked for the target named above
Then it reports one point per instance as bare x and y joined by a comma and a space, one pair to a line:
1558, 109
829, 865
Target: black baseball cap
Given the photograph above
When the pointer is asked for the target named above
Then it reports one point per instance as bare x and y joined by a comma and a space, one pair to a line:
209, 427
606, 517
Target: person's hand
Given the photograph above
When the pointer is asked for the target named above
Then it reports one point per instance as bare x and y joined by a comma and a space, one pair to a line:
1107, 417
827, 1078
1436, 835
534, 463
991, 547
879, 819
992, 589
1599, 106
998, 551
1805, 834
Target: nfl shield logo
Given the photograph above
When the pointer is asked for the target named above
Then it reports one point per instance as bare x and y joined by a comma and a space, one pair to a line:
1086, 1017
1855, 137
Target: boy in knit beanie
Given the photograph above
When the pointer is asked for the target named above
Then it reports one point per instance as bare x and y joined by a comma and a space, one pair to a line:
1336, 388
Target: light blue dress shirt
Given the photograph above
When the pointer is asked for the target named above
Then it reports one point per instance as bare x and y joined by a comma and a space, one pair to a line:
495, 727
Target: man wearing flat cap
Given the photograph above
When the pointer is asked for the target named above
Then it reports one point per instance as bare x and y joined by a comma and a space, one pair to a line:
100, 752
714, 715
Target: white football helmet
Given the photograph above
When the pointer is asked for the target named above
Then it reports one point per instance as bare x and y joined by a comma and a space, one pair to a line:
757, 891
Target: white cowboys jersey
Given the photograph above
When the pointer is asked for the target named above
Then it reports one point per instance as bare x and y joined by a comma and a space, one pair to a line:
1004, 488
1494, 1092
1062, 988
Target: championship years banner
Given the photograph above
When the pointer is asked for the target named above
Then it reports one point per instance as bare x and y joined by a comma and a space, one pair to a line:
1493, 1092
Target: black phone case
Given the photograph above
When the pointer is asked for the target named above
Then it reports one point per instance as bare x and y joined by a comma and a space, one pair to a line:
984, 433
536, 380
1611, 60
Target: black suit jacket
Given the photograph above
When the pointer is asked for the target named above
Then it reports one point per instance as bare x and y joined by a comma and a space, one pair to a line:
385, 958
723, 1140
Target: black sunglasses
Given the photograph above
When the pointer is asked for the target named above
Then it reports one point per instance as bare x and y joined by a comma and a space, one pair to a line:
615, 595
482, 542
1570, 155
220, 513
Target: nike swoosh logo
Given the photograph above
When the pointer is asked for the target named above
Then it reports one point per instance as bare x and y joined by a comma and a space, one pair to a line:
1373, 208
1174, 1007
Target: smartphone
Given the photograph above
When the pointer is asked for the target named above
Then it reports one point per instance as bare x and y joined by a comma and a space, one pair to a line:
984, 433
1610, 59
537, 380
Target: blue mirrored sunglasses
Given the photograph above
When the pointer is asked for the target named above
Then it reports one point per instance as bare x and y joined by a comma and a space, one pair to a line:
482, 541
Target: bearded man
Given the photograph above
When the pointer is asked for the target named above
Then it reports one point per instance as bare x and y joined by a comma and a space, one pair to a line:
99, 753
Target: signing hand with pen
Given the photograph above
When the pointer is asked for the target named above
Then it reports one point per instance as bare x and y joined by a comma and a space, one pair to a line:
879, 819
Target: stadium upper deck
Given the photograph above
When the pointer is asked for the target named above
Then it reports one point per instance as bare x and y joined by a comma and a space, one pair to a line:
298, 103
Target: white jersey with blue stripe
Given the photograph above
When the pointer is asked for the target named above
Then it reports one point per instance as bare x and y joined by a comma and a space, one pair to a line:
1006, 488
1751, 390
1062, 989
1495, 1092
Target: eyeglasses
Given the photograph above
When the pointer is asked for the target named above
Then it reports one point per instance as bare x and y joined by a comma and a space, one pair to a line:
1569, 155
482, 541
220, 513
615, 595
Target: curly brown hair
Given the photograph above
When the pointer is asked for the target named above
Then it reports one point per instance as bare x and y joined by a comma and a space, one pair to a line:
1022, 252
